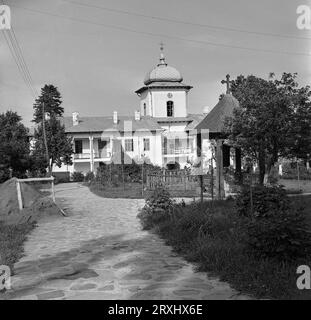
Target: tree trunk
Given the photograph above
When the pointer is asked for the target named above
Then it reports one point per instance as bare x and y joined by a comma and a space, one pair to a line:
262, 167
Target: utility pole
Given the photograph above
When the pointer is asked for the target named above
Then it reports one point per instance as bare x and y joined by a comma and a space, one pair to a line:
44, 138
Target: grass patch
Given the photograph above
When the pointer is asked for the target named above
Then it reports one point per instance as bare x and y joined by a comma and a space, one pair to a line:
129, 191
12, 238
211, 236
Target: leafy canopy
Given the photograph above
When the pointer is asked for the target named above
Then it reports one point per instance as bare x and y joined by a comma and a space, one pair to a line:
14, 145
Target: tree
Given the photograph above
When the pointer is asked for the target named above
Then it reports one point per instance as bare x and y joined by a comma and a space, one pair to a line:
59, 145
14, 146
51, 99
273, 119
52, 145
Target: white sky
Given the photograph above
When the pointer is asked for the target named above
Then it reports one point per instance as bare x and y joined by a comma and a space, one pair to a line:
97, 68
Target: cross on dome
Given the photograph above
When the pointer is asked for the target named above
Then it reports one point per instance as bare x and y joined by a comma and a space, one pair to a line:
162, 57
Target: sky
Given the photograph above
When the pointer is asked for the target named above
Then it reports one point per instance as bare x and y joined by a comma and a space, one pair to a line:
98, 56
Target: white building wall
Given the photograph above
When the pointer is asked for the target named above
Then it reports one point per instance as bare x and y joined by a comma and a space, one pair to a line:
160, 98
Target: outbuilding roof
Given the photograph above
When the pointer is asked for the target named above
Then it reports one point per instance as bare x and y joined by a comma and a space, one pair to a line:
214, 121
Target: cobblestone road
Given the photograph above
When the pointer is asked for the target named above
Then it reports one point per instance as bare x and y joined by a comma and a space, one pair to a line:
100, 252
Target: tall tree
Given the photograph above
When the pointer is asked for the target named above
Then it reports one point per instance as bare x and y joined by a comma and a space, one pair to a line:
59, 145
51, 100
52, 145
14, 146
273, 119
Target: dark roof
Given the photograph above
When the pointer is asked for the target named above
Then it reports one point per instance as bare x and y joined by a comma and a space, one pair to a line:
160, 84
100, 124
214, 120
195, 120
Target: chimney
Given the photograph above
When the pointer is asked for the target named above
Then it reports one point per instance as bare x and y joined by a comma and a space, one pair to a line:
115, 117
75, 118
137, 115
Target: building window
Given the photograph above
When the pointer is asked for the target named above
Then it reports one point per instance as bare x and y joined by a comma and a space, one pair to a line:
78, 146
170, 108
145, 109
146, 144
129, 145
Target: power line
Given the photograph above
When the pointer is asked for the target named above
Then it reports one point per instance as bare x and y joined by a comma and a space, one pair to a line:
23, 60
17, 62
131, 13
17, 54
162, 35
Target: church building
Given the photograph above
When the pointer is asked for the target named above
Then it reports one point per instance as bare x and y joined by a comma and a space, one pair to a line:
160, 131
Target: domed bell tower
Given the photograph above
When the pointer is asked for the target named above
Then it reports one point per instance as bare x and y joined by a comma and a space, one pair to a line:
164, 94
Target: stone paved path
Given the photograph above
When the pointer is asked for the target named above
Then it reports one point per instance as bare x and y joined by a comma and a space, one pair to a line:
100, 252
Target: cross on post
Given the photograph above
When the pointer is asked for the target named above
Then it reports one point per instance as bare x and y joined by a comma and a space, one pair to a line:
228, 83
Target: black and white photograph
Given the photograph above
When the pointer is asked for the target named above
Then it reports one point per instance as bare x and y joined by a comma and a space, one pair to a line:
155, 150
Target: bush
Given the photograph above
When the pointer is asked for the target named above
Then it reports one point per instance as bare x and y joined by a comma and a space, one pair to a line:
282, 236
158, 206
4, 175
266, 201
89, 177
274, 228
112, 173
77, 176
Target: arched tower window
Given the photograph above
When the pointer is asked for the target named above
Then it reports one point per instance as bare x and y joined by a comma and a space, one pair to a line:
170, 108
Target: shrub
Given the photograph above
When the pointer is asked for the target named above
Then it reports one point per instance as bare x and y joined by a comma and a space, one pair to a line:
266, 201
4, 175
89, 177
274, 228
77, 176
158, 206
282, 236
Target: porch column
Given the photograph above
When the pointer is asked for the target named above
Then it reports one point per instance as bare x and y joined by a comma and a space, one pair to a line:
220, 184
91, 154
73, 156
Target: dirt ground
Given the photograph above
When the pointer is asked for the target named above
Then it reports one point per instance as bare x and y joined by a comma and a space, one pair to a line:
35, 203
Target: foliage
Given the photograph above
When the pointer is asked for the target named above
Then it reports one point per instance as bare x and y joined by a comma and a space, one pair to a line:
281, 236
213, 236
159, 199
274, 119
77, 176
266, 201
274, 228
14, 146
113, 173
89, 177
158, 205
51, 99
58, 143
12, 238
173, 166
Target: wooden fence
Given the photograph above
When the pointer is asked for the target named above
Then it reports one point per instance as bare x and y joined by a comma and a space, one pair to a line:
172, 180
